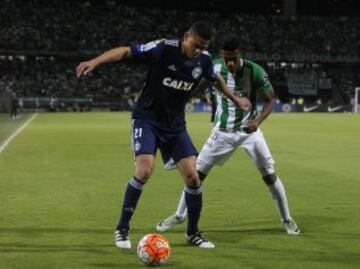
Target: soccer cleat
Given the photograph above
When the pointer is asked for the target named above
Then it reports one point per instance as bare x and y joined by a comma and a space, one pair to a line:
122, 239
170, 165
291, 227
168, 223
198, 239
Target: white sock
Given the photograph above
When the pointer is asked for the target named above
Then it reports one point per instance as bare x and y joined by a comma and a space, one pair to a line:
278, 194
181, 210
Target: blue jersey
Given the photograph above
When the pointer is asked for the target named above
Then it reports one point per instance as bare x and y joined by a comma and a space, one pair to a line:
170, 81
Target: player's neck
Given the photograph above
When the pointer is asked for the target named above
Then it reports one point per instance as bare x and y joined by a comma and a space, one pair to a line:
182, 49
240, 66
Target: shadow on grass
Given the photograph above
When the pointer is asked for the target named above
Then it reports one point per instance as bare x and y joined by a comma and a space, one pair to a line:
93, 248
32, 230
130, 265
27, 234
106, 252
54, 230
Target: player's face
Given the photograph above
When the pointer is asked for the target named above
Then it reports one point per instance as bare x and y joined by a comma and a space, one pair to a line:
232, 59
193, 45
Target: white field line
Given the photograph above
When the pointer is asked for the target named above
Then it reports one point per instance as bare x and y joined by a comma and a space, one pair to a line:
18, 131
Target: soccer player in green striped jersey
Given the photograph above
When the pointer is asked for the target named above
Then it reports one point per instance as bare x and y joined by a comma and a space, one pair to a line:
235, 127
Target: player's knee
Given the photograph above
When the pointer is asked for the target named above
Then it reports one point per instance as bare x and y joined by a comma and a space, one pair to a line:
270, 179
193, 184
144, 174
266, 169
192, 180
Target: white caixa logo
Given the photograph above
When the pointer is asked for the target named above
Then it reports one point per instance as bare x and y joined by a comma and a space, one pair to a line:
177, 84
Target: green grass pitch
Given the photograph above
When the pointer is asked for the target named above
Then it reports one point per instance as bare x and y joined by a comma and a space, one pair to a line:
62, 181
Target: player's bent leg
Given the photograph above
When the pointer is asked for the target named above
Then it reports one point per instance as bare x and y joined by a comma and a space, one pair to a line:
203, 168
169, 222
259, 152
187, 169
278, 194
193, 199
177, 218
192, 192
144, 165
180, 214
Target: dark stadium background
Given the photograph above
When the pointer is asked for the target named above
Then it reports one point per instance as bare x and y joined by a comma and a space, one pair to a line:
309, 48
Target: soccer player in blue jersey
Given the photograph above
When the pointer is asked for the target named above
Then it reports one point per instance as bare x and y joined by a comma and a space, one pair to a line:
175, 69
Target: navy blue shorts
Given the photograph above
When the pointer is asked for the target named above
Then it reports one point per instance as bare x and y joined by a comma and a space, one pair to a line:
146, 139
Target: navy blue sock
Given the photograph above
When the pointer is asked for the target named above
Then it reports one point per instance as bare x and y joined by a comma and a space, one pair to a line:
132, 195
193, 199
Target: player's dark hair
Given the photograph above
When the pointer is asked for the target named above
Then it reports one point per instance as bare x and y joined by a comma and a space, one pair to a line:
203, 29
231, 43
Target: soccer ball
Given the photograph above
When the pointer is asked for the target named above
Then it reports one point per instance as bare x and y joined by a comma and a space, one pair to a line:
153, 249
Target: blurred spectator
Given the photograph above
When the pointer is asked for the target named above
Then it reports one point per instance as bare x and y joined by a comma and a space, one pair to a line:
127, 97
14, 106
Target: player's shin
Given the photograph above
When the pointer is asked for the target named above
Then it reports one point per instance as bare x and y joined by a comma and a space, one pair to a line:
193, 199
132, 195
278, 194
181, 210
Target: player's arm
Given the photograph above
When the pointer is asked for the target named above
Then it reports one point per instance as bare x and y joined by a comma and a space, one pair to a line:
266, 91
202, 86
241, 102
208, 98
116, 54
268, 99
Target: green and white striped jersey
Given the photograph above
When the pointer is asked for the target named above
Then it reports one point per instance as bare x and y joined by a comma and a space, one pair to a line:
249, 80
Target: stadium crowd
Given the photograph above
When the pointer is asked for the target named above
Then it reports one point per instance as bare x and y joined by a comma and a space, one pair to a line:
88, 28
83, 26
52, 77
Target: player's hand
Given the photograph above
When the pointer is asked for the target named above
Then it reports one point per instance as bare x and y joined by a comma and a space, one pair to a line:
84, 68
252, 126
243, 103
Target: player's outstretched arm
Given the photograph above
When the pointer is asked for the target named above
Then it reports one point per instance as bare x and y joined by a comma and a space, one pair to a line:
112, 55
241, 102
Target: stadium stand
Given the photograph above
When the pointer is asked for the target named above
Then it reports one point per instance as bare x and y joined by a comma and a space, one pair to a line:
42, 41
